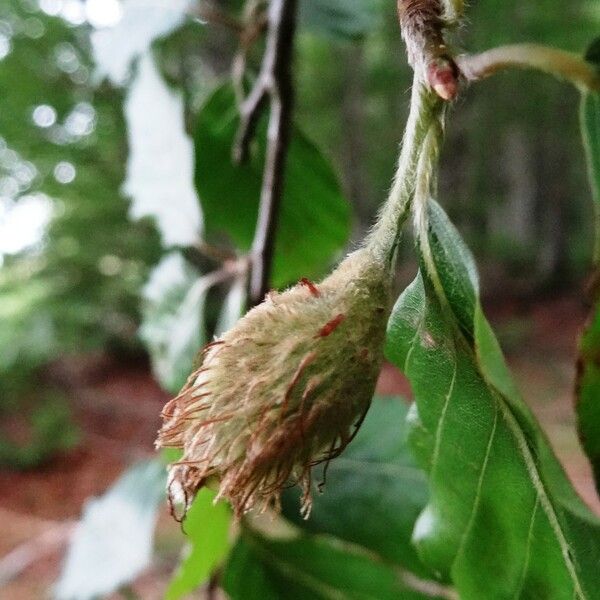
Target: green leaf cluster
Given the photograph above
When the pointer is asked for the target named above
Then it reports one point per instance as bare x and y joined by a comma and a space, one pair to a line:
506, 480
356, 543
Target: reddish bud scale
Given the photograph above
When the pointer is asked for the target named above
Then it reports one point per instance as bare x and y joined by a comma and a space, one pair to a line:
423, 24
443, 78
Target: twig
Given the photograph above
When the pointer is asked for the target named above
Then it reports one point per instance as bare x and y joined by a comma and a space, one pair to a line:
426, 587
274, 83
255, 22
28, 553
250, 113
204, 255
252, 106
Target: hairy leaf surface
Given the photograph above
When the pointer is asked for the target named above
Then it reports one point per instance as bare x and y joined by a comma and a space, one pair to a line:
503, 521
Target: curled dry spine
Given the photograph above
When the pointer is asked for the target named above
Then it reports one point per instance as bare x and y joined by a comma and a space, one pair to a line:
423, 23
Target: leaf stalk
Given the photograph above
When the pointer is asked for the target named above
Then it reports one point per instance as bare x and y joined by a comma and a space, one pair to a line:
559, 63
426, 110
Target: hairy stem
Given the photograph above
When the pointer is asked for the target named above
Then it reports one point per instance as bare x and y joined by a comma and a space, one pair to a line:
426, 110
453, 10
423, 191
423, 24
435, 80
562, 64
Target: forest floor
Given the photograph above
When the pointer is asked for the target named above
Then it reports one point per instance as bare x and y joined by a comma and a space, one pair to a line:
116, 409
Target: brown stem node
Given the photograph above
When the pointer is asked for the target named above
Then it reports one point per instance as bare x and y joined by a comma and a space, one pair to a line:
422, 24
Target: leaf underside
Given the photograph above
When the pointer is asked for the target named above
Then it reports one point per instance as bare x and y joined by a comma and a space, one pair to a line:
373, 495
503, 521
113, 542
173, 319
588, 368
315, 567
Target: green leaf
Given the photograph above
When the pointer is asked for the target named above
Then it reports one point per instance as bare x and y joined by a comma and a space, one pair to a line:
113, 542
374, 492
315, 567
588, 382
590, 128
588, 392
503, 521
173, 323
348, 19
315, 218
207, 527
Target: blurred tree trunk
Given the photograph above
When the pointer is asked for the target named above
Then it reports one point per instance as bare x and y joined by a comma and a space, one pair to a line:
513, 218
553, 203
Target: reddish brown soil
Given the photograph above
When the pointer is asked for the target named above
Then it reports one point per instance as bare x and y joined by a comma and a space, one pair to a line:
116, 408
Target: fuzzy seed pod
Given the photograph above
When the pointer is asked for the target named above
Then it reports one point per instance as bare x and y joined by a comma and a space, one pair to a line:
283, 390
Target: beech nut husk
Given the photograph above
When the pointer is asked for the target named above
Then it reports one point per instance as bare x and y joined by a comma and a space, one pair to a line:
282, 391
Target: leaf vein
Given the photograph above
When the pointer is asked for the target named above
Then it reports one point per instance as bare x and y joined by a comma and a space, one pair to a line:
527, 550
534, 475
413, 342
442, 421
477, 498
